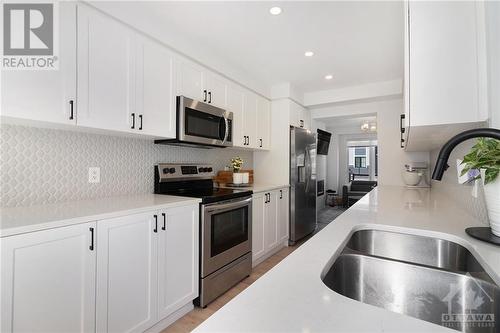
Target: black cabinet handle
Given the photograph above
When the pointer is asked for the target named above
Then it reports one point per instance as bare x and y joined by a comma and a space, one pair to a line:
164, 221
140, 124
91, 247
133, 120
71, 110
156, 223
209, 97
260, 143
204, 95
281, 194
248, 140
301, 123
402, 130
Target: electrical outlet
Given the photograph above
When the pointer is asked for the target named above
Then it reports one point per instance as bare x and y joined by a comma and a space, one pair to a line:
94, 175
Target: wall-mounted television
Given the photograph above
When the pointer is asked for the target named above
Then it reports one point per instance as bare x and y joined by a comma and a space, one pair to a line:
323, 138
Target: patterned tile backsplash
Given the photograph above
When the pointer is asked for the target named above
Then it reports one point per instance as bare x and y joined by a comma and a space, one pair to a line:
40, 166
461, 194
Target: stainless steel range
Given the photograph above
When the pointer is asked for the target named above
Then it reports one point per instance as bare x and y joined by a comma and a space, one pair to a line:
225, 225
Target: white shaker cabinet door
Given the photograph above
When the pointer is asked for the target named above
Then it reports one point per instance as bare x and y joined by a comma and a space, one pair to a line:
235, 101
283, 213
48, 280
270, 221
258, 212
190, 80
126, 273
155, 89
178, 255
106, 72
251, 120
46, 95
217, 90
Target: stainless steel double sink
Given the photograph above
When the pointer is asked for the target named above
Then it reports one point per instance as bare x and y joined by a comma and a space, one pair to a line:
423, 277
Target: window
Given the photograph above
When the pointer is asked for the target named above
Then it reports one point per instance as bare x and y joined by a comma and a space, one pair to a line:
360, 162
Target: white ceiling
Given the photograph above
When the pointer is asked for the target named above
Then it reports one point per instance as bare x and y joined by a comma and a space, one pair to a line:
356, 42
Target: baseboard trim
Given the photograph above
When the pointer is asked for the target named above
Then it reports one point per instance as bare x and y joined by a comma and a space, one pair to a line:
167, 321
271, 252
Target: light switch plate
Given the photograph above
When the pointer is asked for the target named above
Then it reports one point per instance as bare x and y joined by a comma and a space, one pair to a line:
94, 175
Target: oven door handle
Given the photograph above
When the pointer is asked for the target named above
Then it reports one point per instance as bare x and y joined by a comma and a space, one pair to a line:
226, 206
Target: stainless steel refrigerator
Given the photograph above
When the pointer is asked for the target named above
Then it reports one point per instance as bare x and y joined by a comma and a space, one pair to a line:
302, 183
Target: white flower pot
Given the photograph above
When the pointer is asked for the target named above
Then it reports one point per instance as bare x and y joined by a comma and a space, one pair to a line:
237, 178
492, 197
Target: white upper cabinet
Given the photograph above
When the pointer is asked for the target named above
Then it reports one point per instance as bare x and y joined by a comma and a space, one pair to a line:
299, 116
216, 87
190, 80
250, 120
106, 72
235, 104
46, 95
264, 123
155, 89
445, 70
196, 82
48, 280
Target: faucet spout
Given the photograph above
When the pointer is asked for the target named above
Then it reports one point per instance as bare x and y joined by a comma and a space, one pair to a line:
444, 153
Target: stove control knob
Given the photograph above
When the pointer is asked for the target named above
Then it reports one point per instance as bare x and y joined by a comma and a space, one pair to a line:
165, 170
200, 169
210, 169
171, 170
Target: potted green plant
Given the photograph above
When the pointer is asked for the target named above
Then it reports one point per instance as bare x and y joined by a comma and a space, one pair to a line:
237, 163
483, 161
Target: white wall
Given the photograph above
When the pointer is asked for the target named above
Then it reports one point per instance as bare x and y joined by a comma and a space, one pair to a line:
391, 158
493, 49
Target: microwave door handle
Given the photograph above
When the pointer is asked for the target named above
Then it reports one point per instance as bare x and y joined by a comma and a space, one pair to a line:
226, 132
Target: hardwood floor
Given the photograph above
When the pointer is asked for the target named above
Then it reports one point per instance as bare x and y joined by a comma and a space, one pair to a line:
199, 315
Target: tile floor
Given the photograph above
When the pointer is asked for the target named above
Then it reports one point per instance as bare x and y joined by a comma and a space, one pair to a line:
199, 315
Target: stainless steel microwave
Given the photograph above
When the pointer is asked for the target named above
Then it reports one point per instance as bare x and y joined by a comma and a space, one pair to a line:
201, 124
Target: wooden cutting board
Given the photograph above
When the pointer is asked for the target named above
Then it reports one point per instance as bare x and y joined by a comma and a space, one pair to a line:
226, 177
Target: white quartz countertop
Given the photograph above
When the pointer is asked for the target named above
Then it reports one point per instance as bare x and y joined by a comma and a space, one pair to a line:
291, 297
257, 187
18, 220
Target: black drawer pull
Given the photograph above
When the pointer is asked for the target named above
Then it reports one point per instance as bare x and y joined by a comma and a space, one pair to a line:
71, 110
156, 223
133, 120
140, 124
204, 95
281, 194
164, 221
91, 247
209, 97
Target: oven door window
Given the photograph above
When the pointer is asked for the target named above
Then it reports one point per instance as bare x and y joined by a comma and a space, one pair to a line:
204, 125
228, 229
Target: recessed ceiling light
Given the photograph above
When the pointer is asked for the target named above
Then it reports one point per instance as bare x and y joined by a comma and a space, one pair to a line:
329, 77
309, 53
275, 10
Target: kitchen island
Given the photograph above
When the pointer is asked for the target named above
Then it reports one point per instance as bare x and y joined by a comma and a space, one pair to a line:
292, 297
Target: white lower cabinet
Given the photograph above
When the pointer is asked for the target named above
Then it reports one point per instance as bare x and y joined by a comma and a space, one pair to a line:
48, 280
127, 273
147, 268
122, 274
283, 214
178, 267
269, 223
